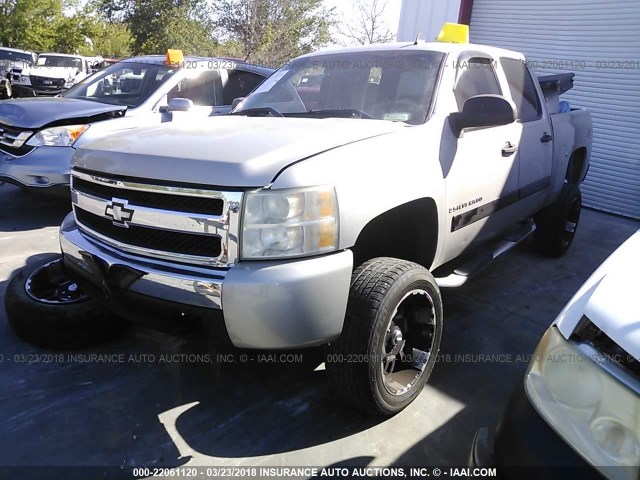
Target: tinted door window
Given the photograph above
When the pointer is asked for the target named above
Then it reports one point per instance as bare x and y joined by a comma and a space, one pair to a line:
239, 84
476, 76
523, 90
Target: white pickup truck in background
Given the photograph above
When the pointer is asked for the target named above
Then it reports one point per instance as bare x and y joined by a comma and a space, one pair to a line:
329, 208
52, 74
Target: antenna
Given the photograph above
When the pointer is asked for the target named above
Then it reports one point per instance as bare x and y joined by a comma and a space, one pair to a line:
418, 38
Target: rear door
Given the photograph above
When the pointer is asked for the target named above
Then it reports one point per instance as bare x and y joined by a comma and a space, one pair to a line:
535, 146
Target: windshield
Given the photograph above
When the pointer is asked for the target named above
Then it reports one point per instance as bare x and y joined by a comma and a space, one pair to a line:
386, 85
124, 83
56, 61
16, 57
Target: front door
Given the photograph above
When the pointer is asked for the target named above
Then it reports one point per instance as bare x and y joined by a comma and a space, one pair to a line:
483, 177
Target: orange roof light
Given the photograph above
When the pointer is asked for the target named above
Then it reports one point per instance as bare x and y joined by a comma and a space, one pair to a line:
454, 33
174, 57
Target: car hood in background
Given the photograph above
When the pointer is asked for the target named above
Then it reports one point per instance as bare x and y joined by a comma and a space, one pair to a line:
608, 299
38, 112
54, 72
233, 151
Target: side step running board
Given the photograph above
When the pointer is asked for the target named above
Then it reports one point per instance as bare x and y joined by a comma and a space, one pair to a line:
473, 264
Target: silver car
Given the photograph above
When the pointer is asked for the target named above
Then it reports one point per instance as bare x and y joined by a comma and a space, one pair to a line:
39, 136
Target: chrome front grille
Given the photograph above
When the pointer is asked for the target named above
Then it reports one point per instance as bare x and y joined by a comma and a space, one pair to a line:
172, 223
47, 85
13, 140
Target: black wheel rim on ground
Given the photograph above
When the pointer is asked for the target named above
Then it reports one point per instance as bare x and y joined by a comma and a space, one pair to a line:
409, 342
49, 284
571, 222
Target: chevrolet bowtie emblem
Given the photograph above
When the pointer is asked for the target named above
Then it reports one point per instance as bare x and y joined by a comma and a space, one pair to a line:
118, 212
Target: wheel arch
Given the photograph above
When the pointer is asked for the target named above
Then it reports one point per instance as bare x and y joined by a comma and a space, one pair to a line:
408, 232
577, 168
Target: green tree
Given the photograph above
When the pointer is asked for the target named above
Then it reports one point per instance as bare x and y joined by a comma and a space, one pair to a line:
30, 24
273, 31
74, 34
160, 24
112, 40
176, 27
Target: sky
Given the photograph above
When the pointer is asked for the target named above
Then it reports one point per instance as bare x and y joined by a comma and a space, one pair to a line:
346, 11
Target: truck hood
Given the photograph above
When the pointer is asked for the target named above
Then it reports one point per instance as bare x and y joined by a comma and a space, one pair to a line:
40, 111
608, 299
53, 72
232, 151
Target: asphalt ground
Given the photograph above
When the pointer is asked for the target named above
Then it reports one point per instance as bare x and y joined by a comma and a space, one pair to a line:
152, 400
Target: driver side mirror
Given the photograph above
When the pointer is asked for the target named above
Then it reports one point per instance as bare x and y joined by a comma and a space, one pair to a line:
178, 105
482, 111
236, 102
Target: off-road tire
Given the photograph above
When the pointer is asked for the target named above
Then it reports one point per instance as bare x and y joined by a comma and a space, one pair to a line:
556, 224
352, 362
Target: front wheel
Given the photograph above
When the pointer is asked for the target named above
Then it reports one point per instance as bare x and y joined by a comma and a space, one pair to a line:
390, 339
5, 90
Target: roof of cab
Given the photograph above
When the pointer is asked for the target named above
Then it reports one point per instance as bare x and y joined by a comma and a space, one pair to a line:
55, 54
16, 50
443, 47
240, 64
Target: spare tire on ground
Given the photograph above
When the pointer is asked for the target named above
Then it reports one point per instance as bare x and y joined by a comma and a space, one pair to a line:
47, 308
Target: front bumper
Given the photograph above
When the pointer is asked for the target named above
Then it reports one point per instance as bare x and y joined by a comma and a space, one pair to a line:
41, 168
525, 446
264, 305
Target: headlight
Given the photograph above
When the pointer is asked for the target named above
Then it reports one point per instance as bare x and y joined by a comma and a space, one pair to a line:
23, 80
289, 223
58, 136
594, 412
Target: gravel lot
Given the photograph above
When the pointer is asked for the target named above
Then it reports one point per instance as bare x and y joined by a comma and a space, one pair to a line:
148, 404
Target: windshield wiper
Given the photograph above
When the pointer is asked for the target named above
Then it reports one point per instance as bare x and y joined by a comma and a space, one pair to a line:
339, 112
259, 112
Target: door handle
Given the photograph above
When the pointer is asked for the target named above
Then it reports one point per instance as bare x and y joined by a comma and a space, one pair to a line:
546, 138
508, 149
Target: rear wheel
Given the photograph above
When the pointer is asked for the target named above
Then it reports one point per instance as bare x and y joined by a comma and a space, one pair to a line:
390, 339
48, 309
556, 225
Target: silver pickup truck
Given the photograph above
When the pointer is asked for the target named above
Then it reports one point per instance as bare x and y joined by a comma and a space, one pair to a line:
329, 208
